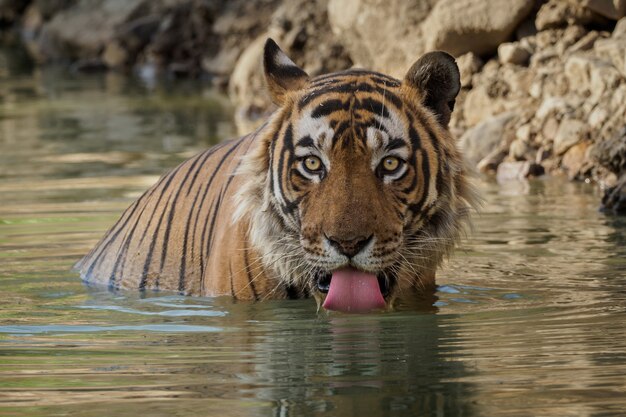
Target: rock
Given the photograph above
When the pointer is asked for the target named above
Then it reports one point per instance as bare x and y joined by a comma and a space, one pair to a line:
597, 117
398, 39
614, 199
576, 160
611, 152
115, 55
550, 127
405, 30
585, 43
301, 28
469, 64
518, 171
484, 25
612, 9
523, 133
513, 53
619, 31
577, 72
489, 164
479, 141
553, 106
570, 132
519, 150
83, 30
560, 13
614, 51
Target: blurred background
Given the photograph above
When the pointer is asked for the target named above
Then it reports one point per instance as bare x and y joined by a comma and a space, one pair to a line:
544, 82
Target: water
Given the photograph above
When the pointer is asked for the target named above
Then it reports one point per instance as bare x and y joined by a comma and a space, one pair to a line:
529, 316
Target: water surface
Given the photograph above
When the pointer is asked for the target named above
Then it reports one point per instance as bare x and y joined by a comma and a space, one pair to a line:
529, 317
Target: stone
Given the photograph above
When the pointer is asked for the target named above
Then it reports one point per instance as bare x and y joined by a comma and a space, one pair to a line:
523, 133
83, 30
575, 160
553, 106
619, 31
559, 13
519, 150
405, 30
614, 199
484, 24
570, 132
610, 153
612, 9
518, 171
396, 43
480, 140
469, 64
513, 53
597, 117
114, 55
550, 127
489, 164
614, 51
480, 105
585, 43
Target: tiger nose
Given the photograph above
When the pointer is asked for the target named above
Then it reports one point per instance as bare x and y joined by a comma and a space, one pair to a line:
349, 247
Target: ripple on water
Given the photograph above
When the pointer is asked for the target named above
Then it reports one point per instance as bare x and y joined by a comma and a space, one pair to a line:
528, 318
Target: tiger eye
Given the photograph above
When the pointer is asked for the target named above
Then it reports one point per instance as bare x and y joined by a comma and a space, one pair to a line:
312, 163
391, 163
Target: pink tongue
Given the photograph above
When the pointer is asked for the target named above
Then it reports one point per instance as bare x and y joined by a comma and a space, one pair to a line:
353, 291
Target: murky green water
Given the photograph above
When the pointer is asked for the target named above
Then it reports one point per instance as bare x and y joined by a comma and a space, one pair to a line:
529, 321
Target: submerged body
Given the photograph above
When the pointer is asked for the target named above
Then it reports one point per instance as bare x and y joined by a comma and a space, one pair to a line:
352, 192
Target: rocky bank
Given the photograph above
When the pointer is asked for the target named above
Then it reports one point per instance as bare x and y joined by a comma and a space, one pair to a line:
544, 82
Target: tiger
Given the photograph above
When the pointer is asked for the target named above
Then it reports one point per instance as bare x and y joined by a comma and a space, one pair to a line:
352, 192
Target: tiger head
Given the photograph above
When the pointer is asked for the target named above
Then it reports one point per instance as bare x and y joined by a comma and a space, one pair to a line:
356, 191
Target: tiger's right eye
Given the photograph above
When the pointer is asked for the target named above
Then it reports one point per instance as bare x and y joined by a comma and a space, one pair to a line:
312, 164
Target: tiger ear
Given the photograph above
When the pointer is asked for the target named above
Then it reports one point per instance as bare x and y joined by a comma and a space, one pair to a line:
437, 77
281, 73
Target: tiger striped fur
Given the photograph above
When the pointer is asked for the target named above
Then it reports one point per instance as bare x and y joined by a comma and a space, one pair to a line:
355, 169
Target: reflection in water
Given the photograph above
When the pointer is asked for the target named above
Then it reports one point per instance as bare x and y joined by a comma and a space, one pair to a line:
528, 318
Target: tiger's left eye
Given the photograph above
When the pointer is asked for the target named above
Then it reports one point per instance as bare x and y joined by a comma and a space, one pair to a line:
390, 164
312, 164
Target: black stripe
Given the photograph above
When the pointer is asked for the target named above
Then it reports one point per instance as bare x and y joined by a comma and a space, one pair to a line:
328, 107
415, 208
343, 88
148, 260
395, 144
374, 106
414, 138
232, 286
156, 206
306, 141
235, 145
209, 238
249, 274
207, 153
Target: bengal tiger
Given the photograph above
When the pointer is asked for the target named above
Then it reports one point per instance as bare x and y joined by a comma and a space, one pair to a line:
353, 192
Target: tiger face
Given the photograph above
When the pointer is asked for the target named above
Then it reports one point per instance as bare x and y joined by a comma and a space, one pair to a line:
364, 190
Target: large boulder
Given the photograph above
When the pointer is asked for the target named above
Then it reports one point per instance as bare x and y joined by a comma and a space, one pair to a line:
478, 26
83, 30
613, 9
479, 141
405, 30
302, 30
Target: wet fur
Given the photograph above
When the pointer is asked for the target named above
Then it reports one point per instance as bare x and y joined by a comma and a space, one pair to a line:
239, 220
